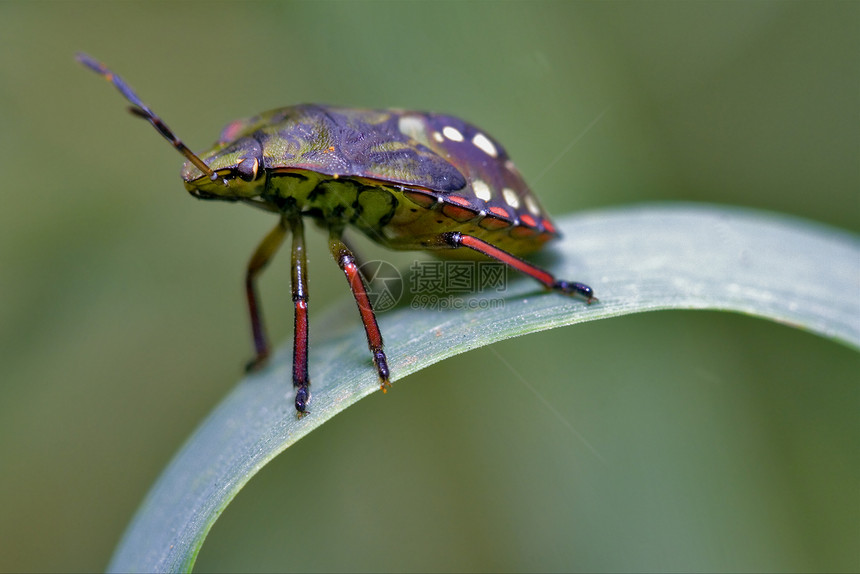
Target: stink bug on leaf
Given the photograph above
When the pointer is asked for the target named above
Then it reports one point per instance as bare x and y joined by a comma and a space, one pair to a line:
407, 180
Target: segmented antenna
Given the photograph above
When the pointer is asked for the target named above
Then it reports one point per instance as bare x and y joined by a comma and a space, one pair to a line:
141, 110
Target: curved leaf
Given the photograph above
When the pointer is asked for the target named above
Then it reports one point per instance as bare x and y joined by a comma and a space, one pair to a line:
636, 258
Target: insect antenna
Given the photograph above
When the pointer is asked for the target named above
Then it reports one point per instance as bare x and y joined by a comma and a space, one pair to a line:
141, 110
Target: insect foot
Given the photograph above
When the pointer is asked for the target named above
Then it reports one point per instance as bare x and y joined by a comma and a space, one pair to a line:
576, 289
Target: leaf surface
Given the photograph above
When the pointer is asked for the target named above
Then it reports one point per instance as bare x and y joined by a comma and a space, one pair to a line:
641, 258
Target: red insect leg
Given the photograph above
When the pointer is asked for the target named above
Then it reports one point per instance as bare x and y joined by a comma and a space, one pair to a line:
457, 239
259, 260
346, 260
299, 264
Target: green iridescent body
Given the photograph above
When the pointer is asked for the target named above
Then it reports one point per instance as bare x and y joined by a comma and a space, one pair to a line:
400, 177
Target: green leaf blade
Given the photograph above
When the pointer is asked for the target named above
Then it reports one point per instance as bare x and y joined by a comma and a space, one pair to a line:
637, 259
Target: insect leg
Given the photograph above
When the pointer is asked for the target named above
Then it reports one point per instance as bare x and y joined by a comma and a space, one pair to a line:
261, 257
456, 239
299, 265
346, 260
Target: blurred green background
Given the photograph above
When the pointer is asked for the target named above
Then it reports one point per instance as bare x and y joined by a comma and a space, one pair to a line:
724, 442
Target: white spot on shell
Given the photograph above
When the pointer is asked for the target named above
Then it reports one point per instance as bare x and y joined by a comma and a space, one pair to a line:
482, 190
509, 165
410, 126
413, 127
532, 205
452, 134
483, 142
511, 197
438, 137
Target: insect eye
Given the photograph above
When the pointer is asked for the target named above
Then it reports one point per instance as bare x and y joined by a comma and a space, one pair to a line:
247, 168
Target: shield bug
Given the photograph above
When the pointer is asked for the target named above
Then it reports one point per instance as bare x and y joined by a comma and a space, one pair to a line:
407, 180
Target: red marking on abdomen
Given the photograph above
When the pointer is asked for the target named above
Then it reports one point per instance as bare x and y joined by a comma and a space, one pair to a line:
528, 220
500, 212
459, 214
